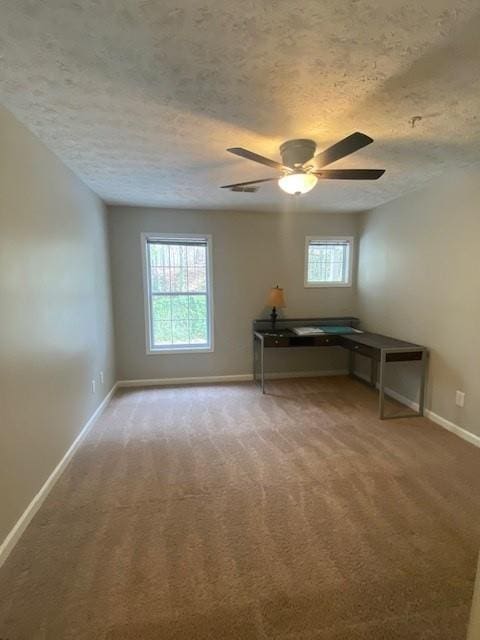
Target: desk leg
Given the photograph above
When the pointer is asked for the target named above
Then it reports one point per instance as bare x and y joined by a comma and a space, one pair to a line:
262, 372
423, 374
381, 390
373, 372
381, 397
351, 362
254, 359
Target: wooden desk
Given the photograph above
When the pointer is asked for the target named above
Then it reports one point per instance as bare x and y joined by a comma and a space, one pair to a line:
379, 349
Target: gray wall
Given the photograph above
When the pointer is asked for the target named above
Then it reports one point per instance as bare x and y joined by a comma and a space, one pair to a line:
251, 253
419, 267
56, 322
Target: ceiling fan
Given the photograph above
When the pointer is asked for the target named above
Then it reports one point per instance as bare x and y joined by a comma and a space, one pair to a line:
301, 168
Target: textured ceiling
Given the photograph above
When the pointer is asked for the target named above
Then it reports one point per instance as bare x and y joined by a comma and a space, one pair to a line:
141, 97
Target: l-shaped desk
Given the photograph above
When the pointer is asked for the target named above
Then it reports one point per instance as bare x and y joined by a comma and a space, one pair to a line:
379, 349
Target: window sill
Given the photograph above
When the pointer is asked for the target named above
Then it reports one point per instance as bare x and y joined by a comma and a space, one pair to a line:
323, 285
170, 350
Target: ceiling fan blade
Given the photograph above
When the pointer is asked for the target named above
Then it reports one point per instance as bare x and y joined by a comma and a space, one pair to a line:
349, 174
244, 184
345, 147
251, 189
250, 155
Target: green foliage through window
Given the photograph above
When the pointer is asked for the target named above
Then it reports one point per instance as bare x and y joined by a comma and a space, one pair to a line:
179, 293
328, 262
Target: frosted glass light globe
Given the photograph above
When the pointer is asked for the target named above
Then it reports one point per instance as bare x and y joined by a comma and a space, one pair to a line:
297, 183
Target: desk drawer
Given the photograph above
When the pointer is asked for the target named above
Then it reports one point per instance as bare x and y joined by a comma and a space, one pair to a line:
319, 340
362, 349
276, 341
328, 341
300, 341
404, 356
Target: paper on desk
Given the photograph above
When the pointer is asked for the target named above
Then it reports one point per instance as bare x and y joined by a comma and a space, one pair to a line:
312, 331
307, 331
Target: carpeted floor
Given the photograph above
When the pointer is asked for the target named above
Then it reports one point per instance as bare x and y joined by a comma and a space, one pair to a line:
214, 512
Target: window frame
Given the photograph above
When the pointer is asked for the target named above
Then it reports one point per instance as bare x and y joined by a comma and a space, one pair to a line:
147, 294
349, 240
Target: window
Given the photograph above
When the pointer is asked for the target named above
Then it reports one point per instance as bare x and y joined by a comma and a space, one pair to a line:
178, 300
328, 261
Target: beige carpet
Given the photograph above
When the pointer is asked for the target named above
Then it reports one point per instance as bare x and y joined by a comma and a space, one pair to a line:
214, 512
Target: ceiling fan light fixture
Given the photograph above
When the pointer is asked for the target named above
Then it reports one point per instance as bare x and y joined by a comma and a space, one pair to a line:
299, 175
297, 183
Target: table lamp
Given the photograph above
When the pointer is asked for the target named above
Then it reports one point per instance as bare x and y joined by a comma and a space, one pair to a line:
276, 301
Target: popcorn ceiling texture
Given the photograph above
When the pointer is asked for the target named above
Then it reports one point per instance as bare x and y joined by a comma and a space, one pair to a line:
141, 98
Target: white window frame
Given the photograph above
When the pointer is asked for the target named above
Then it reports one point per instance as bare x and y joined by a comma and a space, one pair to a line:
171, 349
349, 268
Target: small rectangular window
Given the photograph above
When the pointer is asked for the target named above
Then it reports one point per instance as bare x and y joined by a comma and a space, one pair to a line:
328, 261
178, 300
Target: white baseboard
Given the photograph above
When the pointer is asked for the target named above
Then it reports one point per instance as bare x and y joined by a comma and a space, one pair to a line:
454, 428
22, 523
411, 404
431, 415
306, 374
434, 417
240, 377
160, 382
392, 393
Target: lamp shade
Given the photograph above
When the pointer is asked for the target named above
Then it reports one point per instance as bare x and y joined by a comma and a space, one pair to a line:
276, 298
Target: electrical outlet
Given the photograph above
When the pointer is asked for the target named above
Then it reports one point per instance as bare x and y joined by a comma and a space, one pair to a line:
460, 398
93, 386
101, 377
